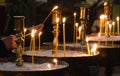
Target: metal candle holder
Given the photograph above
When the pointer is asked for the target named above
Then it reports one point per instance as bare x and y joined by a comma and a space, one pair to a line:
56, 14
108, 13
83, 22
19, 27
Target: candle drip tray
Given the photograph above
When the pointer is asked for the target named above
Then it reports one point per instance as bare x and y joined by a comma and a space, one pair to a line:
40, 67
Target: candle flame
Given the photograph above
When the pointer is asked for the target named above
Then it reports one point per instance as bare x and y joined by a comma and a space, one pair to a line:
25, 30
49, 66
57, 20
33, 32
117, 18
113, 23
40, 33
105, 3
99, 34
64, 19
75, 14
55, 60
110, 25
102, 16
55, 7
87, 39
94, 48
107, 22
76, 24
80, 28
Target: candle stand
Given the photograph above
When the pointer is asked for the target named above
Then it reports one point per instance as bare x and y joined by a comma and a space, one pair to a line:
42, 67
19, 27
56, 20
84, 17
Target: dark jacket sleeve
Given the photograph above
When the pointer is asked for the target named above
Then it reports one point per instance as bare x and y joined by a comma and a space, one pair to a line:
3, 51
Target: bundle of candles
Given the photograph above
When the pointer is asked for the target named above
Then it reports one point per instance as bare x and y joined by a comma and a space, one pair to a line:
108, 28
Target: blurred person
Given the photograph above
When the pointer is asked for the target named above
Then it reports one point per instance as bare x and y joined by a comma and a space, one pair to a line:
8, 43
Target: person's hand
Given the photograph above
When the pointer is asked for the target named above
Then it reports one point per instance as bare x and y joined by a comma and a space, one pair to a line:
10, 42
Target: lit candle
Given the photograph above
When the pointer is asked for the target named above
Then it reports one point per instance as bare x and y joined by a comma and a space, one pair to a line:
32, 46
80, 28
107, 29
57, 27
55, 7
99, 38
64, 19
49, 66
101, 23
105, 22
110, 26
39, 40
88, 47
113, 23
74, 27
76, 34
118, 25
94, 49
56, 62
24, 39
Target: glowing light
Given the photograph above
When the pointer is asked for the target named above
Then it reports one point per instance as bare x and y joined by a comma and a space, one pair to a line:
75, 14
57, 20
49, 66
55, 7
64, 19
